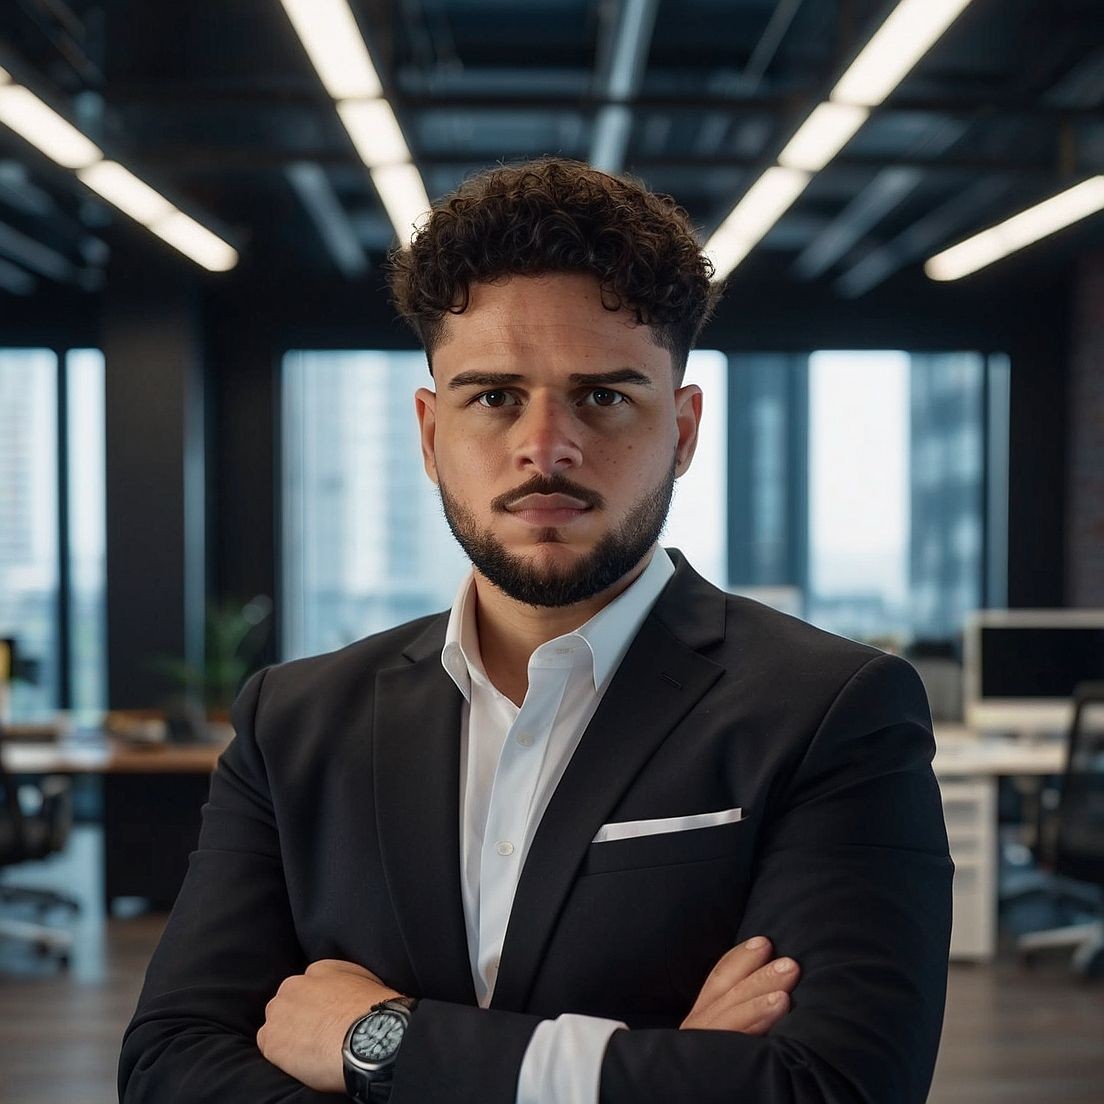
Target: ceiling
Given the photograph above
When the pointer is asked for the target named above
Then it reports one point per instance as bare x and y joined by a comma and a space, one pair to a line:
215, 103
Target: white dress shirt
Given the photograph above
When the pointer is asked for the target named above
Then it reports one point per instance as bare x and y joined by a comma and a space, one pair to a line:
511, 761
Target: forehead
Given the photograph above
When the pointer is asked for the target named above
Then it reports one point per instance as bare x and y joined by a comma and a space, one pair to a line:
550, 319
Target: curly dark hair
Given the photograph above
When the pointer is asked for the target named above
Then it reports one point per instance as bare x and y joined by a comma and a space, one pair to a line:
558, 215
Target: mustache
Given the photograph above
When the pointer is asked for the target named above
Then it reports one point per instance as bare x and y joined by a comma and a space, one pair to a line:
555, 484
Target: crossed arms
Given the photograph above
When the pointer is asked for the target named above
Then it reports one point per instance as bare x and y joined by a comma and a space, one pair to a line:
853, 882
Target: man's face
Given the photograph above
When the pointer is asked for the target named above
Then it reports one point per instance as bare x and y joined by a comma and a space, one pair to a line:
554, 437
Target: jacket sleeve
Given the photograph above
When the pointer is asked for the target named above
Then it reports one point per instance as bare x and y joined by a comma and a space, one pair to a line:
853, 880
228, 944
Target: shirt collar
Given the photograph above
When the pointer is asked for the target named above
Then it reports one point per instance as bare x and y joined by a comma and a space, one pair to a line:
607, 634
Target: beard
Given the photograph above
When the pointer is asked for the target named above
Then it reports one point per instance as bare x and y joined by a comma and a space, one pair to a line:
615, 554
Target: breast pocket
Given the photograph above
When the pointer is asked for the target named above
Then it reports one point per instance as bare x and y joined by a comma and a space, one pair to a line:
700, 837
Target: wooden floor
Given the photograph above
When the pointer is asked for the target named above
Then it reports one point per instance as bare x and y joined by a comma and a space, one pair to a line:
1010, 1036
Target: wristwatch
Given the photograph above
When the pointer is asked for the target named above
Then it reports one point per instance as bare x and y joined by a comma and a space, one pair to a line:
371, 1047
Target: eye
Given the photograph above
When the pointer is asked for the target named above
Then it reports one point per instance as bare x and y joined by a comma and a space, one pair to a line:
494, 399
603, 396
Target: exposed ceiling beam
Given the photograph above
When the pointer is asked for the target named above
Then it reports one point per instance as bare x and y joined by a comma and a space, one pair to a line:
330, 219
923, 236
767, 46
887, 191
14, 280
1080, 89
187, 97
17, 191
1082, 86
34, 255
187, 160
622, 57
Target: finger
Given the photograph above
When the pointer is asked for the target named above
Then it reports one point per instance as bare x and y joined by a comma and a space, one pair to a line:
758, 1014
767, 1024
764, 982
763, 1011
778, 974
733, 966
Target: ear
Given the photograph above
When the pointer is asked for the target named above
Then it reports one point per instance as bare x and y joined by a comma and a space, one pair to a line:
688, 412
425, 406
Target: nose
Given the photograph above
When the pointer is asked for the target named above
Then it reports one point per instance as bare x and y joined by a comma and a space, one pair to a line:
547, 437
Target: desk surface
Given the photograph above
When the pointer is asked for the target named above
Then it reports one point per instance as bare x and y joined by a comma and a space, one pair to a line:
111, 757
960, 750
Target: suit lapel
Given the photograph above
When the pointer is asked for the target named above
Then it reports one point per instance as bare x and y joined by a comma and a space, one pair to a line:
416, 769
661, 679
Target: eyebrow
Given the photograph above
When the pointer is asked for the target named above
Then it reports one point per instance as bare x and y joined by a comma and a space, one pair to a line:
592, 379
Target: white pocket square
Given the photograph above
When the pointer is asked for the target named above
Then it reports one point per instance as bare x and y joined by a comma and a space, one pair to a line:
626, 829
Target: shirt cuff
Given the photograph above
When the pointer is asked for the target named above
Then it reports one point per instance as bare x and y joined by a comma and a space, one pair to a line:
563, 1062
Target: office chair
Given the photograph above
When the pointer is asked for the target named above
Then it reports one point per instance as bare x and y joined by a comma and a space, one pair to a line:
25, 837
1072, 851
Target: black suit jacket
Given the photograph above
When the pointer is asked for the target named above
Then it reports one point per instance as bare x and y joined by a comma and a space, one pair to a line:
332, 831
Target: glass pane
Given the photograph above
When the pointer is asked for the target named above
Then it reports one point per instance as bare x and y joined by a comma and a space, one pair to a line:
87, 539
767, 486
896, 502
697, 524
28, 524
858, 492
365, 545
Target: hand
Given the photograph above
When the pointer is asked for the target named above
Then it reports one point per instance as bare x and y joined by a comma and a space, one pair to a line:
744, 992
305, 1023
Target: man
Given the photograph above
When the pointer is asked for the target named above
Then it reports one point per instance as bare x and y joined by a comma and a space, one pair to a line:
601, 833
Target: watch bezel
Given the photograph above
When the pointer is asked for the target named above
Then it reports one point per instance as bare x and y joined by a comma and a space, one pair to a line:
400, 1012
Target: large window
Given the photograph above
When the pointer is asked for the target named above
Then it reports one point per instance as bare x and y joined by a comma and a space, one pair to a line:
860, 490
60, 645
866, 488
365, 544
29, 524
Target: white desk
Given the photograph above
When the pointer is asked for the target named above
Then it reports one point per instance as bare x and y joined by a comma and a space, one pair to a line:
968, 766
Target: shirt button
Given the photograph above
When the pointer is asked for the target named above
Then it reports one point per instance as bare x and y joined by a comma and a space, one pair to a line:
525, 739
504, 847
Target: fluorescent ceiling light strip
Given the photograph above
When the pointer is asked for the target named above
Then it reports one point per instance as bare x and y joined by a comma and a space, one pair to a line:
121, 187
763, 205
196, 241
334, 44
403, 196
1028, 226
900, 42
823, 134
375, 132
44, 128
134, 197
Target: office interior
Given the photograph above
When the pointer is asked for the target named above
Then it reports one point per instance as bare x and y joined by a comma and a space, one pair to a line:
208, 456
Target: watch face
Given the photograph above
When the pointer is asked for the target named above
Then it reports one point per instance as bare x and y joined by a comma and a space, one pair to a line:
376, 1038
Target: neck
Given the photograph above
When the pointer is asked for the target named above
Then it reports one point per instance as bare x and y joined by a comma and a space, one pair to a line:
510, 631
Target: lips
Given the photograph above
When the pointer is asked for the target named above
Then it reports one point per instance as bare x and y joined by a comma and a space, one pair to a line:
548, 510
547, 502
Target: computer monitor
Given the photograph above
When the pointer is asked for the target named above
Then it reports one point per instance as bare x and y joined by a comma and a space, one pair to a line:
1021, 667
